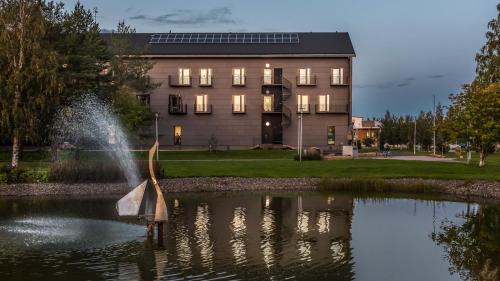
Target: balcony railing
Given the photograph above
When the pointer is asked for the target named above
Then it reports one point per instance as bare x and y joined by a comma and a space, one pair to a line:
175, 81
178, 109
239, 109
206, 81
339, 80
306, 80
202, 109
239, 80
331, 109
303, 108
266, 108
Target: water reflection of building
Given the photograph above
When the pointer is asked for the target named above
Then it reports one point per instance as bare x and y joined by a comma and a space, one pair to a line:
263, 234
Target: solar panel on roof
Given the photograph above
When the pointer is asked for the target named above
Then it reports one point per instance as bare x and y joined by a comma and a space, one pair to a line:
214, 38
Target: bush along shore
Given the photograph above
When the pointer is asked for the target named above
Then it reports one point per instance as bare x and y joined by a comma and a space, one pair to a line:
459, 188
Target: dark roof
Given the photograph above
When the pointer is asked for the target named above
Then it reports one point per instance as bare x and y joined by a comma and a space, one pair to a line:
310, 44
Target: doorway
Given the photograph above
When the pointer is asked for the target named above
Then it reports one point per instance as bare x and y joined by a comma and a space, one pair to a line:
177, 135
271, 129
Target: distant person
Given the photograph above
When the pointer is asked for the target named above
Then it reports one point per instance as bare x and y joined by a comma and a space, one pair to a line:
387, 150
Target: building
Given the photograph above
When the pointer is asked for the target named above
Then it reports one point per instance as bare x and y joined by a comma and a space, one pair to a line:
364, 129
246, 89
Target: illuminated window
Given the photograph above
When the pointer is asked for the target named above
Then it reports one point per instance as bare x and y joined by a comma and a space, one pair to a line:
268, 104
177, 135
239, 76
330, 134
324, 103
304, 76
184, 76
337, 76
302, 103
268, 76
143, 99
239, 103
201, 103
206, 76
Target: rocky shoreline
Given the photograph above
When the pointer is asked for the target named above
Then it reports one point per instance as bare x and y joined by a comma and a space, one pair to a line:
459, 188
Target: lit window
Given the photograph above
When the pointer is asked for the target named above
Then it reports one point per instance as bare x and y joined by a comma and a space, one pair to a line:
143, 99
268, 76
239, 103
330, 135
184, 76
337, 76
201, 103
177, 135
304, 76
302, 103
324, 103
206, 76
268, 103
238, 76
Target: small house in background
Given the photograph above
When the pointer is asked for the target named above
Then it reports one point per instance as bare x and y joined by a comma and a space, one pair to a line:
366, 132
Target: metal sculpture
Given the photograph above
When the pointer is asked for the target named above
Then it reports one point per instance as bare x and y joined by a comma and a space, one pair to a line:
146, 201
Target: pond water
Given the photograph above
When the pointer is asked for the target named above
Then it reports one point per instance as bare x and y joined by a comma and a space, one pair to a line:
252, 236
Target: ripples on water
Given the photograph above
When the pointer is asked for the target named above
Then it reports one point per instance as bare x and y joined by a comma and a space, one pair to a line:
250, 237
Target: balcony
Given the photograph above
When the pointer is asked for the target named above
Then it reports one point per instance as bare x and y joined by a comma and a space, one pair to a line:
205, 81
331, 109
306, 80
238, 80
339, 80
304, 109
239, 109
174, 81
178, 109
202, 108
268, 108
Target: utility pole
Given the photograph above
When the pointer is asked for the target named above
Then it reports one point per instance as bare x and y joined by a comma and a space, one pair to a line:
415, 137
300, 139
434, 127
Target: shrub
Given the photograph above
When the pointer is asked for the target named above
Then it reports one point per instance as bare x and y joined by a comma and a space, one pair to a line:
21, 175
70, 171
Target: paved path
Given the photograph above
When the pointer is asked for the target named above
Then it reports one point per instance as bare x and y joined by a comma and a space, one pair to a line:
420, 158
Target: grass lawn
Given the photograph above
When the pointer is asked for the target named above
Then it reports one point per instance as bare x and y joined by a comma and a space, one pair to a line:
276, 163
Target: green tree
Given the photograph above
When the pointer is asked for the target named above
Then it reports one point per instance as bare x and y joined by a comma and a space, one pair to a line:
488, 59
28, 67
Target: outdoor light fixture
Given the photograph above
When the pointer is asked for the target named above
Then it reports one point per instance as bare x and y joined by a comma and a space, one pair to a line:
268, 65
267, 92
267, 124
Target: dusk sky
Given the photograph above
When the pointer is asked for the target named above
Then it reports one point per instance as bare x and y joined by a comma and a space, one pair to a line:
407, 51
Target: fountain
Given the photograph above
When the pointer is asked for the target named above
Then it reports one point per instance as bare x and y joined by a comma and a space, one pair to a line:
90, 120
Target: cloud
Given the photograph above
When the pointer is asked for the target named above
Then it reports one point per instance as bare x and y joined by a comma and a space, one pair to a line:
435, 76
383, 85
403, 84
222, 15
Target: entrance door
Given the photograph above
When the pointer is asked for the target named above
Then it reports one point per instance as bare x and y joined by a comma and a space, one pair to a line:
271, 129
278, 75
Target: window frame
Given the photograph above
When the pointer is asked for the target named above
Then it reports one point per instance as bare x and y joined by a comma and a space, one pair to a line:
271, 97
204, 104
326, 106
337, 79
238, 72
242, 103
181, 76
207, 77
301, 107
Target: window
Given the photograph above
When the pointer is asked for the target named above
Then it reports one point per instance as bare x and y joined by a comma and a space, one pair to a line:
184, 76
177, 135
175, 105
330, 135
268, 104
206, 76
337, 76
239, 76
324, 103
268, 76
201, 103
143, 99
304, 76
302, 103
239, 103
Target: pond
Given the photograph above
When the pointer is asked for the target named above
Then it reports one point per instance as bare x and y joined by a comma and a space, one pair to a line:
252, 236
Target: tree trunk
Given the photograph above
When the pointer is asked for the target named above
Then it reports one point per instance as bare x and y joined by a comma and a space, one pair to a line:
15, 150
482, 158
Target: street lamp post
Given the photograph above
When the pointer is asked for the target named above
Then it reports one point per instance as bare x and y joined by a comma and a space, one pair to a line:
157, 142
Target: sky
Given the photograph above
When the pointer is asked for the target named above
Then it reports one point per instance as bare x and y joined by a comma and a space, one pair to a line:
407, 51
